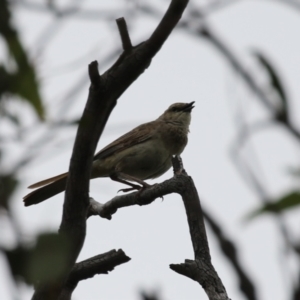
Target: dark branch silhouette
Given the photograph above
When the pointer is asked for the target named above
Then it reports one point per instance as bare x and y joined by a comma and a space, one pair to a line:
103, 94
100, 264
231, 252
126, 42
200, 269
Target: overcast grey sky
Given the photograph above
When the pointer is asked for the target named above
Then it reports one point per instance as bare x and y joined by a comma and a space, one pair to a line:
186, 69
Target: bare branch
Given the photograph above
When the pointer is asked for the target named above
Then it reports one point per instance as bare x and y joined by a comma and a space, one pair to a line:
201, 269
94, 74
103, 95
167, 24
126, 42
100, 264
230, 250
147, 196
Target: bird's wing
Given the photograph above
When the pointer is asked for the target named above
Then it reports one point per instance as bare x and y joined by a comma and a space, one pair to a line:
136, 136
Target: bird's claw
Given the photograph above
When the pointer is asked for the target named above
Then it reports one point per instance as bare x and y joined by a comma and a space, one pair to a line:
125, 190
136, 187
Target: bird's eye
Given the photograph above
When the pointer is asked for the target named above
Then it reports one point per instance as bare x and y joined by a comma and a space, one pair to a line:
174, 109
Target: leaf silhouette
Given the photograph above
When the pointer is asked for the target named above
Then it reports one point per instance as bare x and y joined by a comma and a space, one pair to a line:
286, 202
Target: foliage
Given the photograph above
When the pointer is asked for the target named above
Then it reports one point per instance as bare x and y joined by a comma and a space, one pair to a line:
21, 82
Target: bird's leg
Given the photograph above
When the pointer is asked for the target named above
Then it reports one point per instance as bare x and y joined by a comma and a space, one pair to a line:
125, 178
132, 178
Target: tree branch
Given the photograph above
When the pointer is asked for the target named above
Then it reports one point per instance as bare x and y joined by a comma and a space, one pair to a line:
122, 26
231, 252
100, 264
200, 269
147, 196
103, 95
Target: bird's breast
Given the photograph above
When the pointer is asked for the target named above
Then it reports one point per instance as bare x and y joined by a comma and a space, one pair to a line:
174, 138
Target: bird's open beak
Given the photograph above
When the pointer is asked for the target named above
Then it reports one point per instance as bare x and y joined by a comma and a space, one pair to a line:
188, 107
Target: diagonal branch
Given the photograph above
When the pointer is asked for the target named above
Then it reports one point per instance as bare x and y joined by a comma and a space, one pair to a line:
230, 250
100, 264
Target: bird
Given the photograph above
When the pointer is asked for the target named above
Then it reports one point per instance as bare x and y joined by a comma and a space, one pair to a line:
143, 153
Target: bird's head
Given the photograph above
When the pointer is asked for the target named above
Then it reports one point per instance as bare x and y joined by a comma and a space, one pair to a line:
178, 113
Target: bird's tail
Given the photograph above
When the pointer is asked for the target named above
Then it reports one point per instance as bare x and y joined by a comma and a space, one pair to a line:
47, 188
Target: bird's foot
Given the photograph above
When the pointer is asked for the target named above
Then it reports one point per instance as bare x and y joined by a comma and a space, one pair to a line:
144, 187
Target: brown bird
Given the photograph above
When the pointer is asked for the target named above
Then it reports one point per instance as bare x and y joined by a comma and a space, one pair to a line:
143, 153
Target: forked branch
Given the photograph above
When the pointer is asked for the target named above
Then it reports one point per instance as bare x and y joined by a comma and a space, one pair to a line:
103, 94
200, 269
